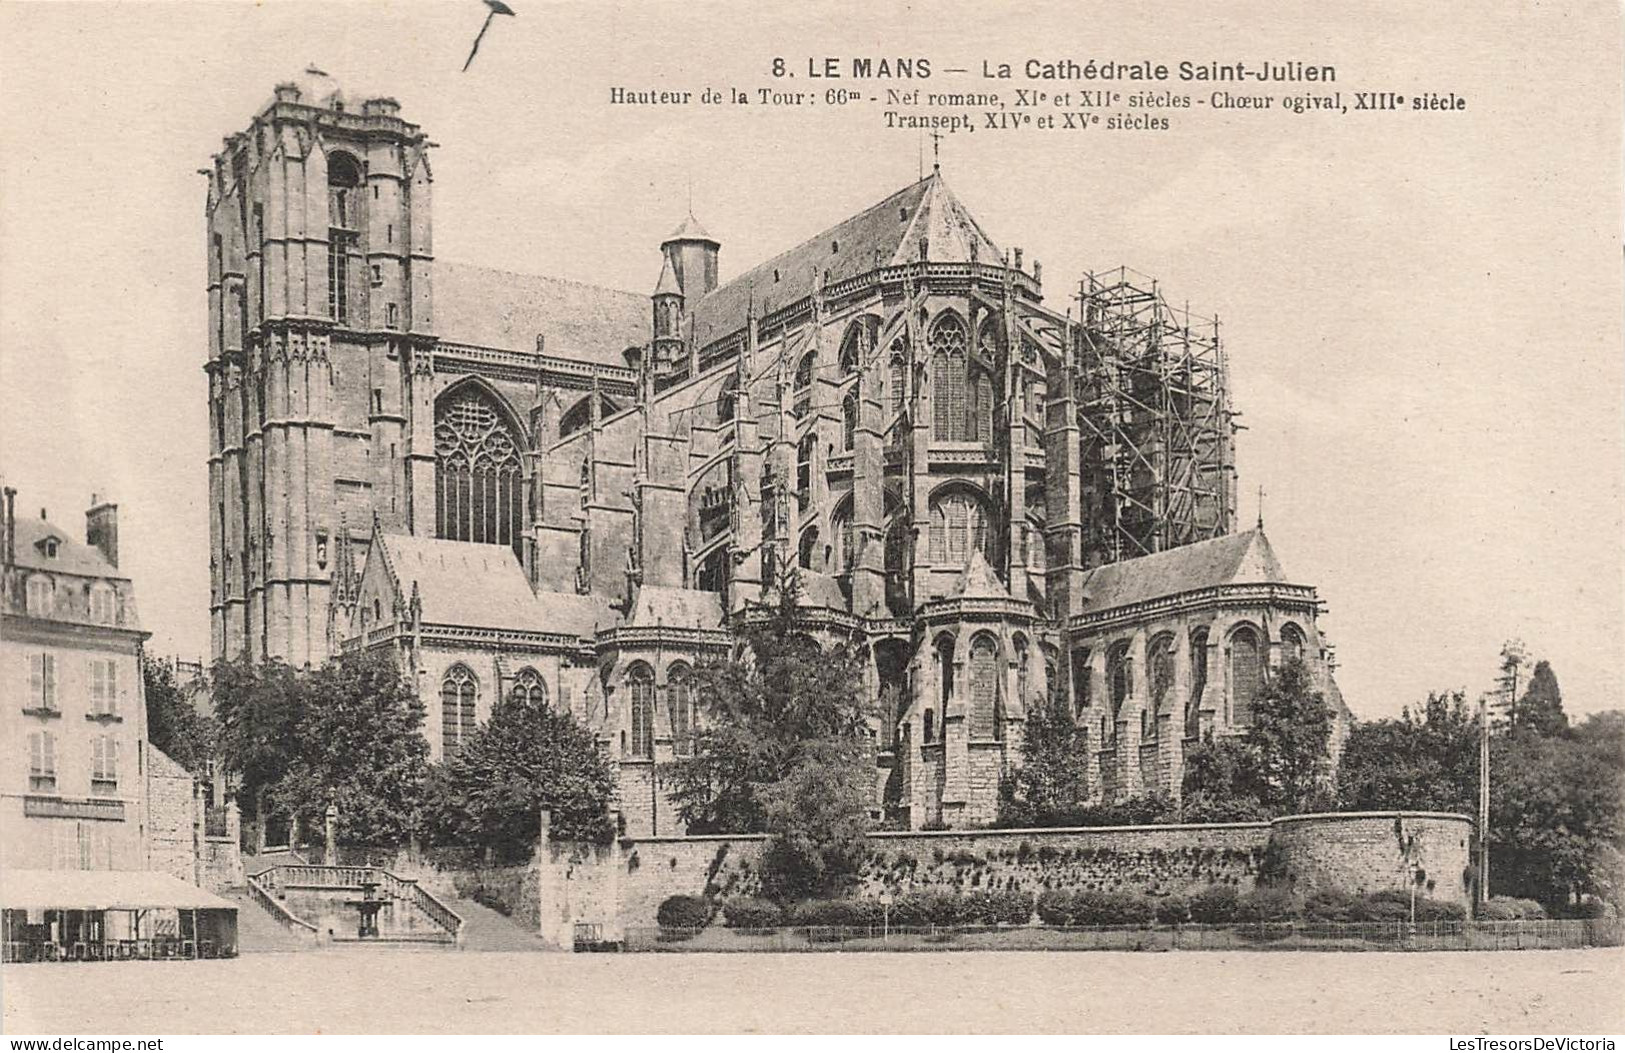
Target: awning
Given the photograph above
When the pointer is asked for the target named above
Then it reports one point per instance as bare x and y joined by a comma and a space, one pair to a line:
102, 890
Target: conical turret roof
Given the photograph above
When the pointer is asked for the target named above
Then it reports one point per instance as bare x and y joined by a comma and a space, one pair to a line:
667, 285
690, 230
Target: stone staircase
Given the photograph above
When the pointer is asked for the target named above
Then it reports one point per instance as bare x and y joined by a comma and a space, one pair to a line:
258, 931
485, 929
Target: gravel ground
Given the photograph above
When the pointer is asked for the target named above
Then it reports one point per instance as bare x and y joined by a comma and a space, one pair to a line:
392, 990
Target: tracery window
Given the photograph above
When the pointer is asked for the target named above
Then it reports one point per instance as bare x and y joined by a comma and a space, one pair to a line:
1160, 660
804, 459
1292, 643
1023, 670
1120, 672
459, 693
803, 386
479, 477
528, 688
1246, 675
680, 701
896, 554
849, 421
640, 686
962, 385
958, 527
984, 688
845, 541
948, 363
895, 382
1193, 706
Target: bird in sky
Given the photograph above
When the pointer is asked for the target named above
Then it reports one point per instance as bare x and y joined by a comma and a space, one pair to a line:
497, 8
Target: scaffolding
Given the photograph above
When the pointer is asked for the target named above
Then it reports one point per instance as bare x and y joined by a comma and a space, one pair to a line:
1158, 465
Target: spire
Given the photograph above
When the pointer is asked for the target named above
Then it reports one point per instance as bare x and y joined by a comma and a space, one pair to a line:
668, 281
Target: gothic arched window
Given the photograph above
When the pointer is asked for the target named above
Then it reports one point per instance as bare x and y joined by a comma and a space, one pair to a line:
1193, 706
680, 701
959, 526
808, 549
845, 541
804, 468
479, 478
1292, 643
1160, 663
948, 364
1120, 674
1023, 670
984, 688
896, 556
1246, 675
849, 420
803, 386
640, 688
459, 695
894, 381
529, 688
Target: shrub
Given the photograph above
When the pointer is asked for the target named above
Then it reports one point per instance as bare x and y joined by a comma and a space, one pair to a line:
1174, 910
1267, 904
1332, 905
1509, 908
1439, 910
1215, 905
685, 912
1088, 907
936, 908
747, 912
837, 913
1387, 905
1007, 907
1590, 908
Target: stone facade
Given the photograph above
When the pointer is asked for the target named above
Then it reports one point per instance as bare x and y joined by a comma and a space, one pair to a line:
521, 484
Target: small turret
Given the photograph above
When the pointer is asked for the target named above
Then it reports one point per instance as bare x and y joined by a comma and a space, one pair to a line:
668, 302
692, 254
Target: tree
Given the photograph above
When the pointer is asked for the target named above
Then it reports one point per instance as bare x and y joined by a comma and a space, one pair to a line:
784, 747
1222, 783
1050, 787
1540, 710
358, 744
528, 757
1557, 813
174, 724
259, 707
1291, 732
1428, 763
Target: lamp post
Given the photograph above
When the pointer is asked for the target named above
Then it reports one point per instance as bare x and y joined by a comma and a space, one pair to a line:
1483, 799
332, 853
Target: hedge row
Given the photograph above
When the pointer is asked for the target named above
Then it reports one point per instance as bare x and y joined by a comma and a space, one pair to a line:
1215, 905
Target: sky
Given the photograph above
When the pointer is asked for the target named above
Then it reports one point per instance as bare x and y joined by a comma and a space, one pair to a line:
1422, 311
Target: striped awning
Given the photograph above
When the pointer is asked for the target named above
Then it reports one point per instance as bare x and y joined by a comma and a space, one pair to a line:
102, 890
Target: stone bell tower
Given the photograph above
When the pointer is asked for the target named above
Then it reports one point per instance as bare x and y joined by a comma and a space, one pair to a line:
320, 330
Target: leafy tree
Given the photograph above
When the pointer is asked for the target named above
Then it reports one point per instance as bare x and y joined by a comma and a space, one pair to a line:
1290, 732
784, 747
529, 756
1050, 786
360, 746
1222, 783
174, 724
818, 814
259, 707
1540, 710
1557, 813
1428, 763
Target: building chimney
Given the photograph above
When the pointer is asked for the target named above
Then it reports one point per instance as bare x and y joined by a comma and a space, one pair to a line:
8, 533
101, 528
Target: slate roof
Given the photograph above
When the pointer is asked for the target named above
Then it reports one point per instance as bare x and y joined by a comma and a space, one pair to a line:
882, 235
72, 557
1235, 559
571, 612
461, 583
821, 590
690, 230
500, 309
667, 286
676, 608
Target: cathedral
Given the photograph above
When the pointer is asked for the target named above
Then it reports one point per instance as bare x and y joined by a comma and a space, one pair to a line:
535, 486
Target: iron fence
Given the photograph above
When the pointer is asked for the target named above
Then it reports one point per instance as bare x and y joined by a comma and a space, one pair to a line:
1260, 936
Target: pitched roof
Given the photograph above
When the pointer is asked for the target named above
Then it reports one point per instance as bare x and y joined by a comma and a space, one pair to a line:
979, 582
571, 612
676, 608
1235, 559
500, 309
462, 583
690, 230
72, 557
821, 590
882, 235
